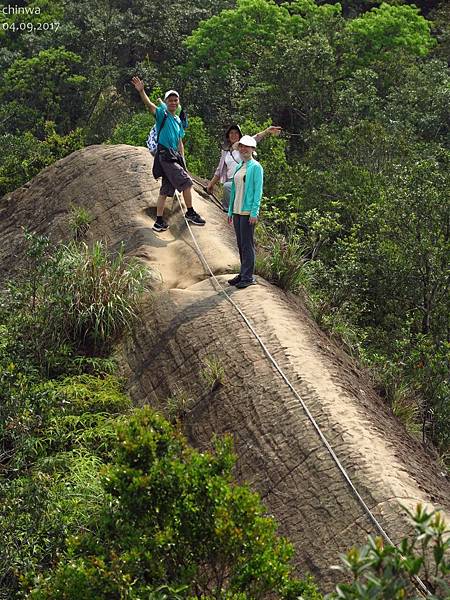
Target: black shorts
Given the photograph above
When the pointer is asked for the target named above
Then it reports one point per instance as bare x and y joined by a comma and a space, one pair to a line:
175, 176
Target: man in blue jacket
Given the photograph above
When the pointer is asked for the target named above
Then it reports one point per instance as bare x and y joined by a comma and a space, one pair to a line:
171, 154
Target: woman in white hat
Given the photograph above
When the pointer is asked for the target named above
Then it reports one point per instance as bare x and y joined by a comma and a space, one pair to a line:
230, 158
243, 211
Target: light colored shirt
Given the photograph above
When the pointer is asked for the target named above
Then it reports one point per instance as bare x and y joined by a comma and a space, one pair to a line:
232, 159
239, 182
222, 169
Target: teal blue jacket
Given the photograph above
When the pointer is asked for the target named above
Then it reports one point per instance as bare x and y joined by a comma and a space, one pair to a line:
253, 188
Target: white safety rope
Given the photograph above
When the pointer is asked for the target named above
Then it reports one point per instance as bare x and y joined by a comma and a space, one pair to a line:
418, 582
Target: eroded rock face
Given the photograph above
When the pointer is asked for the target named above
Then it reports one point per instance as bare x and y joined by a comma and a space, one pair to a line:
115, 184
187, 320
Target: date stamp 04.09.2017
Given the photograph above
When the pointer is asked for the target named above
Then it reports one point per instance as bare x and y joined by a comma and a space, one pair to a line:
15, 18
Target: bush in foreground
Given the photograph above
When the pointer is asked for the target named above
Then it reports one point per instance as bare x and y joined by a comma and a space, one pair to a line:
173, 518
380, 571
55, 437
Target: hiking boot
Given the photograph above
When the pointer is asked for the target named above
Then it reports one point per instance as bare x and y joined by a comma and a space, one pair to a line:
194, 218
160, 226
235, 280
243, 284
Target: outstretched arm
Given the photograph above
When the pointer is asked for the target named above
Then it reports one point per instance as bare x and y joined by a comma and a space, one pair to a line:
139, 85
272, 130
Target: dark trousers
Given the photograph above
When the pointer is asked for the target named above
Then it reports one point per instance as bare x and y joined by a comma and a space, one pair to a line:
244, 236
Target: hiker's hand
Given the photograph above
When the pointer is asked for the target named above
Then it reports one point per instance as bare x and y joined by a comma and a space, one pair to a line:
274, 130
138, 84
210, 188
230, 220
253, 220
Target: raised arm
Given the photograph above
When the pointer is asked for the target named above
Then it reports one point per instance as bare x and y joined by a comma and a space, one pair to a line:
139, 85
272, 130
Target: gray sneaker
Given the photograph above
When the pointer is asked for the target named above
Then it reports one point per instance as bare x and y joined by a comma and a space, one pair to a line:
160, 226
194, 218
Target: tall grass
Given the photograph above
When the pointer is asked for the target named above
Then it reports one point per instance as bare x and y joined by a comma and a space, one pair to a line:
212, 373
280, 258
71, 300
103, 294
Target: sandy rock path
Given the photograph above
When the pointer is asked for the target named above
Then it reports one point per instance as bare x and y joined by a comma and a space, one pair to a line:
187, 321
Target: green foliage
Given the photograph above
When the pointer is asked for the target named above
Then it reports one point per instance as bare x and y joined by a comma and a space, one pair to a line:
30, 24
79, 221
70, 301
55, 435
301, 92
422, 362
252, 24
386, 29
356, 201
280, 258
54, 439
47, 87
420, 101
271, 153
440, 18
357, 98
41, 419
381, 571
222, 53
23, 155
175, 519
38, 510
382, 255
200, 148
133, 132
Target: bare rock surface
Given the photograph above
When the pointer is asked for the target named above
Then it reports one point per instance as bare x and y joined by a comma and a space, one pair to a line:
187, 320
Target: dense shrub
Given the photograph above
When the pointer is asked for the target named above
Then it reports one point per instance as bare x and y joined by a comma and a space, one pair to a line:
200, 149
174, 518
134, 131
55, 436
22, 156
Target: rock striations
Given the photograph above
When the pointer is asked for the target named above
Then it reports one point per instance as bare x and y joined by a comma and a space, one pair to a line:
186, 321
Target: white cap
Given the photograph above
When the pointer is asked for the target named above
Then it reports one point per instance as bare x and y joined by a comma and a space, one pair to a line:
248, 140
171, 93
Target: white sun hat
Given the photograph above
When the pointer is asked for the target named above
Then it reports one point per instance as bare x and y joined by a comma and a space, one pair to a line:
248, 140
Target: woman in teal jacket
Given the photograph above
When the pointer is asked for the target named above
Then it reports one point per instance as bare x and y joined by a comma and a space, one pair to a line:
245, 199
